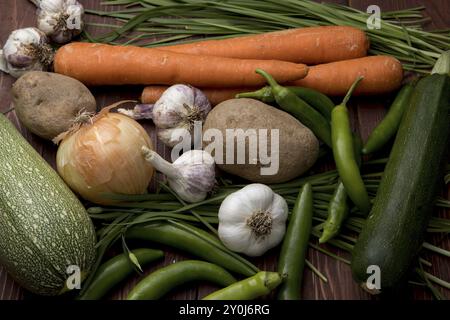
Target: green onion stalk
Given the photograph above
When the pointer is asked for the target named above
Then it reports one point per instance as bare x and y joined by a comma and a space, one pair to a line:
166, 205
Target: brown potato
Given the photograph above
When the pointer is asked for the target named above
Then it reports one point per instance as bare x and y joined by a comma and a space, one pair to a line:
47, 103
298, 148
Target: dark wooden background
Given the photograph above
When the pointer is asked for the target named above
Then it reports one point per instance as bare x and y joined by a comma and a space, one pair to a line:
366, 112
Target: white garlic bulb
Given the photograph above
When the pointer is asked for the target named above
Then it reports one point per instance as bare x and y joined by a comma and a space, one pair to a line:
191, 176
252, 220
26, 50
61, 20
175, 112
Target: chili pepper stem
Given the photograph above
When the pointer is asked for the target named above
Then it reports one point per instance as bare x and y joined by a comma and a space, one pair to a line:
270, 80
350, 91
265, 91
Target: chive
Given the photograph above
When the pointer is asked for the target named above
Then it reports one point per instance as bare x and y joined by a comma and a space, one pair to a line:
436, 280
435, 249
139, 197
425, 276
206, 223
316, 271
111, 228
425, 262
328, 253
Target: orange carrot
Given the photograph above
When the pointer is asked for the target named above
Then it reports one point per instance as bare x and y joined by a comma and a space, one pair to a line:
101, 64
312, 45
381, 74
151, 94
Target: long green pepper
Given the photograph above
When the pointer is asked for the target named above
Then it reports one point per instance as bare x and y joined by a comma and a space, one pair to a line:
162, 281
338, 208
115, 270
248, 289
389, 125
198, 243
289, 102
344, 154
295, 245
314, 98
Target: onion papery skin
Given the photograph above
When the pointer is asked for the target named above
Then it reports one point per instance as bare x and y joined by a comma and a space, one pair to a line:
105, 157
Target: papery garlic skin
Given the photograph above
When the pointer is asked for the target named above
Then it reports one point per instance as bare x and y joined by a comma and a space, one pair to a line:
105, 157
252, 220
191, 176
197, 168
61, 20
26, 50
177, 110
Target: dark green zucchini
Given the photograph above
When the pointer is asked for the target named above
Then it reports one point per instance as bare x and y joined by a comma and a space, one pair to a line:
393, 233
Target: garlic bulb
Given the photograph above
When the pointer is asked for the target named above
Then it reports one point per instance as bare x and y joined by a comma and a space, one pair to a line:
25, 50
175, 112
252, 220
61, 20
191, 176
102, 154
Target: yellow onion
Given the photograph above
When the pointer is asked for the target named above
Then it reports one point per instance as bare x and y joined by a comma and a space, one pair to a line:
102, 155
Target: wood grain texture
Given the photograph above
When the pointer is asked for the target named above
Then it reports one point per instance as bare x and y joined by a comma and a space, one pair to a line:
366, 113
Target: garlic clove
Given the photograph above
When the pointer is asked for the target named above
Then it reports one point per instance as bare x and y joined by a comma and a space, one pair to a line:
235, 209
172, 136
3, 64
277, 234
258, 196
187, 191
278, 208
236, 237
52, 6
19, 60
166, 116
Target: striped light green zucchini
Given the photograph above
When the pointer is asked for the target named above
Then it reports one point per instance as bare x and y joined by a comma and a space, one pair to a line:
44, 228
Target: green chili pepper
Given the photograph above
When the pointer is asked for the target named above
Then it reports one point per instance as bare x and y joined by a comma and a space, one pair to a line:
264, 94
357, 147
197, 242
295, 245
387, 128
160, 282
248, 289
338, 208
115, 270
337, 212
344, 154
292, 104
314, 98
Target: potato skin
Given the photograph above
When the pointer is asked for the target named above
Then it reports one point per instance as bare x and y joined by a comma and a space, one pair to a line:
298, 148
46, 103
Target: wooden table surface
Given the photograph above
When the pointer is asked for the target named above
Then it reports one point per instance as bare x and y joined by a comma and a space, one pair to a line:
366, 112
